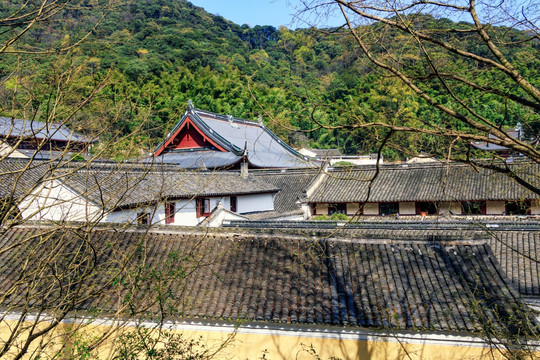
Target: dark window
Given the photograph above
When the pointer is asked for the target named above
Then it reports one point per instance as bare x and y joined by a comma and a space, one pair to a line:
429, 208
474, 207
233, 203
518, 207
169, 213
143, 218
389, 208
337, 208
203, 207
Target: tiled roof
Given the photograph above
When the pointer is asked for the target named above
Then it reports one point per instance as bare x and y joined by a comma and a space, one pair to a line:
493, 147
517, 251
390, 284
18, 177
124, 188
424, 183
39, 130
292, 184
264, 148
205, 159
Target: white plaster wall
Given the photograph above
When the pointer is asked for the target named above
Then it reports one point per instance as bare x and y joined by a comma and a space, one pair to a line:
186, 211
321, 209
495, 207
185, 214
306, 211
257, 202
407, 208
447, 207
121, 216
352, 208
306, 152
535, 207
157, 214
371, 209
53, 201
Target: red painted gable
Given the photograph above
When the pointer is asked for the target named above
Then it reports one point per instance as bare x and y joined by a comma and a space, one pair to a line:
188, 136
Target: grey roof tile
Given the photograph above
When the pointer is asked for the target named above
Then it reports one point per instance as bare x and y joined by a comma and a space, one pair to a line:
516, 251
39, 130
291, 183
264, 148
410, 284
118, 188
18, 177
424, 183
206, 159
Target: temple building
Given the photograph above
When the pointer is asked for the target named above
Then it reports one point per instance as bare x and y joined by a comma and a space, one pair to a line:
205, 140
34, 139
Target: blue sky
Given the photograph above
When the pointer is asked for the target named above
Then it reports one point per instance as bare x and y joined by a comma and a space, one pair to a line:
281, 12
253, 12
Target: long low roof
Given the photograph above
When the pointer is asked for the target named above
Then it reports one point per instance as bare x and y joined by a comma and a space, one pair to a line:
413, 284
122, 188
118, 185
402, 183
517, 251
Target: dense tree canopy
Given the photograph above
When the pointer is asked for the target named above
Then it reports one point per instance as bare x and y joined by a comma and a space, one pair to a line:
149, 58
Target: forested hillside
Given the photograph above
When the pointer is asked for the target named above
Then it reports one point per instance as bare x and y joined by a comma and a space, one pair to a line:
146, 59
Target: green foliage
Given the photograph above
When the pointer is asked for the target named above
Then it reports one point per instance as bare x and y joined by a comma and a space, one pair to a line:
343, 164
144, 343
338, 216
334, 216
158, 54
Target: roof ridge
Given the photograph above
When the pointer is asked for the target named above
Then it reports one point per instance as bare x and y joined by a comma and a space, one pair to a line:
222, 117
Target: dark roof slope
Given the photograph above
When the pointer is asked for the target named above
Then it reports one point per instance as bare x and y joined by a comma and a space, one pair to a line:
292, 184
516, 134
390, 284
516, 246
518, 252
425, 183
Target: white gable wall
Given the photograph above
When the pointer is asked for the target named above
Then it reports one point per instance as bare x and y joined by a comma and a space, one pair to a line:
255, 203
53, 201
